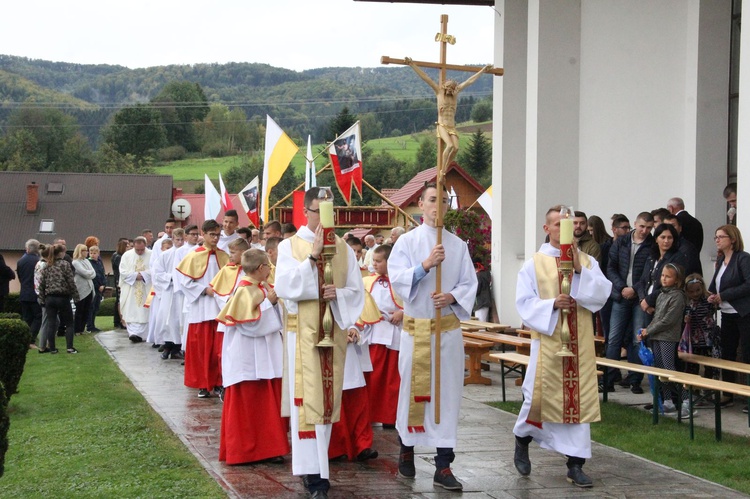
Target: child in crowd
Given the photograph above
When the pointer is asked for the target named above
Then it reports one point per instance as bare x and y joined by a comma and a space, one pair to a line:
664, 333
252, 428
700, 316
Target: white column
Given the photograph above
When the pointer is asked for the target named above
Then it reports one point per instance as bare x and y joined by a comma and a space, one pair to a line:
743, 132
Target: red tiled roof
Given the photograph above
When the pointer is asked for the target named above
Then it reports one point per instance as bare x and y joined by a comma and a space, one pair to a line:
409, 193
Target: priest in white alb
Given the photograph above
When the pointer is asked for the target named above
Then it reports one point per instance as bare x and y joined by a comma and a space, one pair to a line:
560, 393
314, 377
412, 272
135, 285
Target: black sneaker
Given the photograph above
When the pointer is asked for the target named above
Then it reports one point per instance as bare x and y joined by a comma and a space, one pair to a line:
637, 389
54, 350
72, 350
444, 478
366, 454
577, 477
406, 465
203, 393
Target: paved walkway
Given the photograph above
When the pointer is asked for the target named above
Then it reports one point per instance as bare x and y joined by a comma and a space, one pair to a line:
484, 456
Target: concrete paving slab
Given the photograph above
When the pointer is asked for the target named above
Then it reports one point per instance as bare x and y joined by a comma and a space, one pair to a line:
484, 455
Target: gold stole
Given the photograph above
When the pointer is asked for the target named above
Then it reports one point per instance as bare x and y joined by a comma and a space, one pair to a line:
319, 372
565, 388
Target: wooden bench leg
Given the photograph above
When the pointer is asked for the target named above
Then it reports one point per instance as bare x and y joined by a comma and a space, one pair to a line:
475, 367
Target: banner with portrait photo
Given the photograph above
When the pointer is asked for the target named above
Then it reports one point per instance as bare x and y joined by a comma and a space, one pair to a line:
346, 158
249, 199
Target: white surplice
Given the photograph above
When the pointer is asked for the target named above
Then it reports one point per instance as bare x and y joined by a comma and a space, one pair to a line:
133, 293
459, 279
168, 316
253, 350
179, 296
298, 281
224, 240
383, 332
590, 289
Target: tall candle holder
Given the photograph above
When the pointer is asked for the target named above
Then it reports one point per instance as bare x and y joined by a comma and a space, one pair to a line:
566, 269
329, 251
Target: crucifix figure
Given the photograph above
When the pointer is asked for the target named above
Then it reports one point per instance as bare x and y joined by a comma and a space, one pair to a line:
447, 100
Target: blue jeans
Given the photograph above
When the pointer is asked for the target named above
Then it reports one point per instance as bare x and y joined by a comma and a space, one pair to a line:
625, 321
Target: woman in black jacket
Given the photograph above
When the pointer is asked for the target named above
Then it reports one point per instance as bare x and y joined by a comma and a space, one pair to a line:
663, 251
730, 292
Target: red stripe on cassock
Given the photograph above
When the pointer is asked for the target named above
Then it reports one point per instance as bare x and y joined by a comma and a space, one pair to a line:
422, 398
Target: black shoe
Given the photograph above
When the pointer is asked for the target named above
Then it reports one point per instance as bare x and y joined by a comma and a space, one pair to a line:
576, 476
406, 467
219, 392
160, 348
521, 458
72, 350
637, 389
277, 460
624, 383
444, 478
177, 356
165, 355
95, 330
319, 494
135, 338
54, 350
43, 350
366, 454
156, 345
203, 393
648, 407
610, 389
389, 426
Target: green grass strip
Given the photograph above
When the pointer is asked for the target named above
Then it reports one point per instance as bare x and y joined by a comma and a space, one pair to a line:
80, 429
629, 429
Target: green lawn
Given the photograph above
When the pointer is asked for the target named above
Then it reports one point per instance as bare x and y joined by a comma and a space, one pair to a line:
668, 443
78, 428
403, 148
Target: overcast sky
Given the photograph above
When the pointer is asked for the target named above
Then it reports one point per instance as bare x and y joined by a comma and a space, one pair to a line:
293, 34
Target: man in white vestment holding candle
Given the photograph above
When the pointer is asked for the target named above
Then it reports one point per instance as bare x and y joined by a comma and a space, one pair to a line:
411, 268
313, 375
560, 392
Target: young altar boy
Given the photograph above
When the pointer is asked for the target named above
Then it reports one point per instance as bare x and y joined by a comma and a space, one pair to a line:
252, 428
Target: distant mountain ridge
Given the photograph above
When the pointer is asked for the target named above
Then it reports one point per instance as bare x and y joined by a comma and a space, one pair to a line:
299, 100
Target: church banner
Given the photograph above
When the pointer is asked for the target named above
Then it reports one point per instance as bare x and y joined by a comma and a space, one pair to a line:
249, 199
346, 158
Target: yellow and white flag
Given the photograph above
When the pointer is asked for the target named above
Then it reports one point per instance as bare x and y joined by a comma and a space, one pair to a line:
279, 153
485, 201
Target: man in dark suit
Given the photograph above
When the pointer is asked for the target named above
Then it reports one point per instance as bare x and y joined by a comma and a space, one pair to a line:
31, 311
692, 229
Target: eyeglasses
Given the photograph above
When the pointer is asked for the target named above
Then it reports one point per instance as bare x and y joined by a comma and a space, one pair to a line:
213, 234
716, 238
314, 210
624, 227
194, 234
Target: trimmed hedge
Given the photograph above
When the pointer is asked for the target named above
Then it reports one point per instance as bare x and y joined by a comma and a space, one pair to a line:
106, 308
14, 344
4, 427
9, 315
12, 304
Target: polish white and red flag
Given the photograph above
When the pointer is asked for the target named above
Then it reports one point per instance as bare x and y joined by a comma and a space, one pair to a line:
346, 158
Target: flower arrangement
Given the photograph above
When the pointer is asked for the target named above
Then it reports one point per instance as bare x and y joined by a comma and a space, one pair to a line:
474, 228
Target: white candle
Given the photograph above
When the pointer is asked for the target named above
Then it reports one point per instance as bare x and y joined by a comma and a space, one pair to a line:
326, 214
566, 231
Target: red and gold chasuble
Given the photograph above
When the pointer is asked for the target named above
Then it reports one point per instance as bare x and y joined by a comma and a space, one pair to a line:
565, 388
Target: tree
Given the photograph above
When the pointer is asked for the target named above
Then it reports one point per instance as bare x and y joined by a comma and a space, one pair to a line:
476, 159
19, 151
38, 139
225, 132
427, 154
341, 123
111, 161
372, 128
482, 111
182, 104
77, 156
136, 130
382, 171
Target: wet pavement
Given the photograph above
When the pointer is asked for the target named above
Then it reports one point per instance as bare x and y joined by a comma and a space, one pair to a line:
484, 455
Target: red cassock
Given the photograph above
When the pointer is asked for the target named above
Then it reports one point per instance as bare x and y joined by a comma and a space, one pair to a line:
383, 384
252, 428
203, 355
353, 433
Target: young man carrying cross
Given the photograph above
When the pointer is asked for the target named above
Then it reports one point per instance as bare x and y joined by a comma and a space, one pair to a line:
411, 267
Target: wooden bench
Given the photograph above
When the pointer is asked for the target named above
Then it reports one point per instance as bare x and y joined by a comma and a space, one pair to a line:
475, 349
487, 326
660, 375
511, 362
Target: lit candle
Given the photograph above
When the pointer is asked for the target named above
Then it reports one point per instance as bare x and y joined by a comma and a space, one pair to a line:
326, 214
566, 231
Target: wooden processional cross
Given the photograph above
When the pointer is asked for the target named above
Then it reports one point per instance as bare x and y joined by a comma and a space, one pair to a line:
447, 98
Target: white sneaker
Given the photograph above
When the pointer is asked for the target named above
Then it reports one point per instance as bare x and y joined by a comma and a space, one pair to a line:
685, 411
669, 407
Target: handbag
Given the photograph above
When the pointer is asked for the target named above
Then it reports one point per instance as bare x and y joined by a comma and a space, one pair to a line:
685, 345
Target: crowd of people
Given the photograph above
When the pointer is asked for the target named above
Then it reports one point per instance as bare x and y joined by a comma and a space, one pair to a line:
309, 339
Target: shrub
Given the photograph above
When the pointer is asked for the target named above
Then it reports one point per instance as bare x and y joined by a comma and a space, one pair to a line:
12, 304
106, 308
472, 227
171, 153
4, 427
9, 315
14, 344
